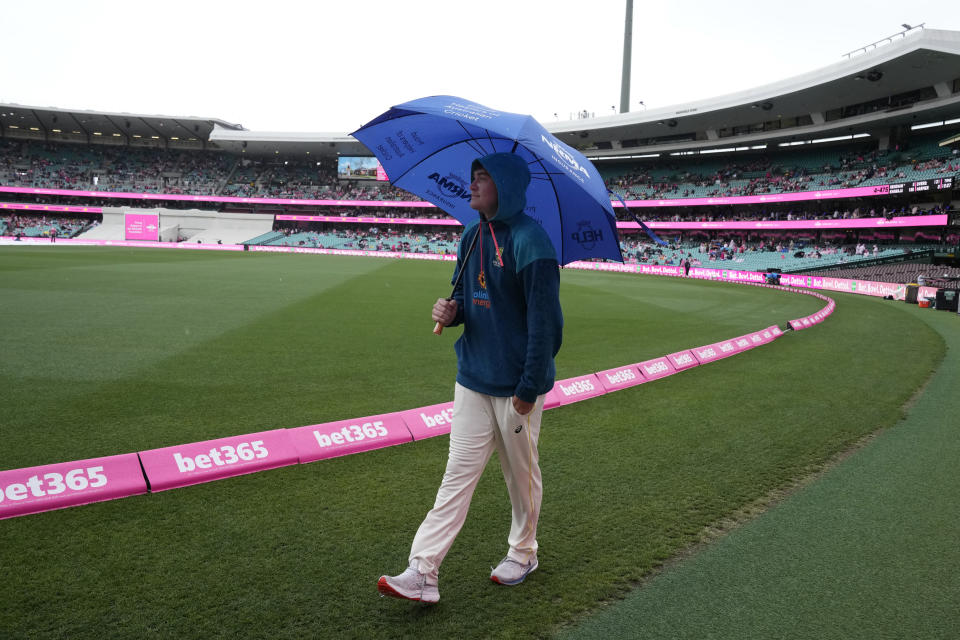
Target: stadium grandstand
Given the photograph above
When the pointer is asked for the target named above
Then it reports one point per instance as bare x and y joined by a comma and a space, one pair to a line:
851, 167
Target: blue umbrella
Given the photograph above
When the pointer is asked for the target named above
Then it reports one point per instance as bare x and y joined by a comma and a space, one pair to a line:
426, 147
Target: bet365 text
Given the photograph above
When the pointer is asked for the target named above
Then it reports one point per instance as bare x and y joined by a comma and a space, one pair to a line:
53, 483
221, 456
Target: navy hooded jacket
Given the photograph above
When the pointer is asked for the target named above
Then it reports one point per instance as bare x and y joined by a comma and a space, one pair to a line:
511, 315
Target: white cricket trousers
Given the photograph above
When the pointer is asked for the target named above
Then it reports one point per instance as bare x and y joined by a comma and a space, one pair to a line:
482, 424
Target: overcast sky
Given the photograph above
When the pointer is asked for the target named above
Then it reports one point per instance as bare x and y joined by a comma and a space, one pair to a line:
332, 65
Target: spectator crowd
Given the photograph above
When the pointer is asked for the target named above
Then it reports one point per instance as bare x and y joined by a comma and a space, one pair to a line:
211, 173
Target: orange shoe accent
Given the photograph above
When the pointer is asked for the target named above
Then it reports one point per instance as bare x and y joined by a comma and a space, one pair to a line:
385, 589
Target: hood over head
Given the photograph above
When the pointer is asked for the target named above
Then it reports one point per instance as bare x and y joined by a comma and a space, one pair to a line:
512, 177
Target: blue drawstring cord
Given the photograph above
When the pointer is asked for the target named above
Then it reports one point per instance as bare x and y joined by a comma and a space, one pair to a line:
647, 229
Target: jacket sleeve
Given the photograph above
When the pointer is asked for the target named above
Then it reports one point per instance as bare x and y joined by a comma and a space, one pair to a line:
541, 288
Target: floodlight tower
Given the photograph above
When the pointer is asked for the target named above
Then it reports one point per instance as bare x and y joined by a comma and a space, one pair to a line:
627, 54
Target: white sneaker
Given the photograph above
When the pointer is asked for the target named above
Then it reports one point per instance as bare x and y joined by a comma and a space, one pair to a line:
511, 572
411, 585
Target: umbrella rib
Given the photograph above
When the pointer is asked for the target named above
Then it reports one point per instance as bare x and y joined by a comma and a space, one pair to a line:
556, 197
490, 138
433, 153
473, 142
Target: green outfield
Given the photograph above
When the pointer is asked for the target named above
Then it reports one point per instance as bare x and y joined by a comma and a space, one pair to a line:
112, 350
867, 550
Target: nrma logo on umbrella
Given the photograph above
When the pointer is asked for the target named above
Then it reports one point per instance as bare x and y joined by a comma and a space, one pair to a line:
565, 157
451, 185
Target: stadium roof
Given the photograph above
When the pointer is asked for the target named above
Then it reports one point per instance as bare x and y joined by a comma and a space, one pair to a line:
51, 123
259, 143
911, 78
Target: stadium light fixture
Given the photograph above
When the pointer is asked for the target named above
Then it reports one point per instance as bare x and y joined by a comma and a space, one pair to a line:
927, 125
832, 139
595, 158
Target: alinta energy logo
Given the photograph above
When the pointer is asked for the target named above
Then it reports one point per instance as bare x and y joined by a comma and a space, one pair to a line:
586, 236
481, 298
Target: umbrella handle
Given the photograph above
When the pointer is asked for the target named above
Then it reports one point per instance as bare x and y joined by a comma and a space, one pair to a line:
438, 328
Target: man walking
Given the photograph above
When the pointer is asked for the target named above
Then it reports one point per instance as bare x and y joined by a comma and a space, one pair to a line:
508, 303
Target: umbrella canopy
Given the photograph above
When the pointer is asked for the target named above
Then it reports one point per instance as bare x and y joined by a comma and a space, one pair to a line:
426, 147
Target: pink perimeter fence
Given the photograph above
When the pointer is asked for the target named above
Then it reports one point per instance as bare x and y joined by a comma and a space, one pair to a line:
66, 484
937, 220
754, 225
797, 196
44, 208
